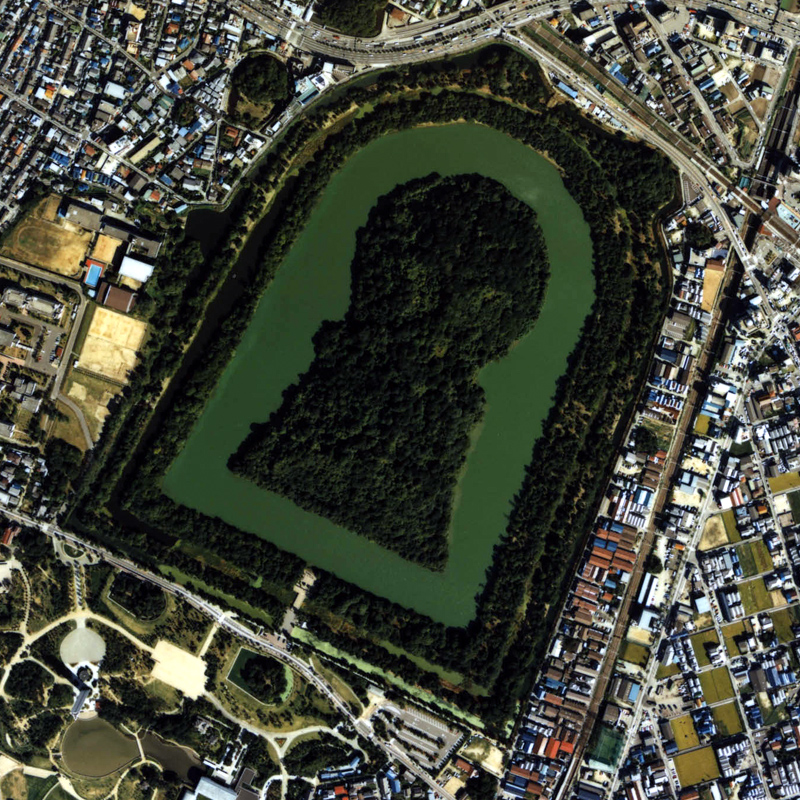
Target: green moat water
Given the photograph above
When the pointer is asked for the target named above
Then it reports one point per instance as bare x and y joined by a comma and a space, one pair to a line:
312, 285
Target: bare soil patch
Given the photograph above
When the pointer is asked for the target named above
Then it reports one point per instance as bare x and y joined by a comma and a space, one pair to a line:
105, 248
112, 344
57, 246
714, 534
92, 395
179, 669
759, 106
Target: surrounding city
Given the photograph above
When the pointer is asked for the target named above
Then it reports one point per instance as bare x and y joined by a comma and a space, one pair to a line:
228, 575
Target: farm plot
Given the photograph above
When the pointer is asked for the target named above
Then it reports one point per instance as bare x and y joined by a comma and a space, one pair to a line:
716, 685
727, 719
783, 620
699, 642
755, 596
697, 766
732, 632
782, 483
754, 558
635, 653
685, 735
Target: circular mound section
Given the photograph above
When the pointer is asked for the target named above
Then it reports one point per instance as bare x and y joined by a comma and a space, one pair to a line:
448, 274
82, 644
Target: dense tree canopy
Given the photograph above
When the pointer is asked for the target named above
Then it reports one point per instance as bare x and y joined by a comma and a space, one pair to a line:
481, 787
258, 756
265, 678
355, 17
699, 236
308, 757
140, 598
63, 465
645, 440
263, 79
620, 186
447, 274
28, 680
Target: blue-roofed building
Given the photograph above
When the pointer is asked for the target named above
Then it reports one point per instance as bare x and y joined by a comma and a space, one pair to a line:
705, 84
93, 273
616, 70
568, 90
652, 49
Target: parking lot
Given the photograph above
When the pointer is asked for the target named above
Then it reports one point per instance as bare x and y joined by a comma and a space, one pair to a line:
426, 739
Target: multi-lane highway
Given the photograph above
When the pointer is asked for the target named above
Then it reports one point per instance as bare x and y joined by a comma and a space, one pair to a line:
423, 41
460, 31
428, 40
576, 68
60, 373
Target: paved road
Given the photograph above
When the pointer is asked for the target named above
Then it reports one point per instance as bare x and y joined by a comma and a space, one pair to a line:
672, 463
452, 31
672, 145
45, 342
424, 42
81, 420
69, 346
700, 100
77, 289
642, 122
776, 150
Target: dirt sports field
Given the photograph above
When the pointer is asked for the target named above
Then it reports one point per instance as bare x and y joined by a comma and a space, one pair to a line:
111, 344
105, 248
39, 240
712, 278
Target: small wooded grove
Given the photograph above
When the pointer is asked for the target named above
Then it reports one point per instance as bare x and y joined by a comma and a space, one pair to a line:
265, 678
620, 186
310, 756
263, 80
143, 600
447, 274
354, 17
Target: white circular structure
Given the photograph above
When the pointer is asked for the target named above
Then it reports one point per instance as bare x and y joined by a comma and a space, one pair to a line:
82, 644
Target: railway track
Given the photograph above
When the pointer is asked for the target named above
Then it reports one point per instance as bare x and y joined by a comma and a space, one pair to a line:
672, 464
666, 138
779, 139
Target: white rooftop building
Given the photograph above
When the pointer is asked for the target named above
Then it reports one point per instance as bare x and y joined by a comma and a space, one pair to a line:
210, 790
135, 269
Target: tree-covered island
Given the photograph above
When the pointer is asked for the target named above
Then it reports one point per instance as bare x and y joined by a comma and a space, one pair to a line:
447, 274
